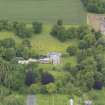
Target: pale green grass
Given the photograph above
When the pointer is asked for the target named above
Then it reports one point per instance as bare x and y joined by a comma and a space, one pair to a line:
98, 96
4, 35
58, 99
41, 43
44, 42
47, 11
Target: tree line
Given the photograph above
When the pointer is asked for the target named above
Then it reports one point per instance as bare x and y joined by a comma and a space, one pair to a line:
95, 6
20, 29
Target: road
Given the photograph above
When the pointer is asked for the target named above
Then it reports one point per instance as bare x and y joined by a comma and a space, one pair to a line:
31, 100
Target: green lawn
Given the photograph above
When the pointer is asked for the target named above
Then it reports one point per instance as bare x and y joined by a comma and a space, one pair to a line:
98, 96
54, 100
47, 11
42, 43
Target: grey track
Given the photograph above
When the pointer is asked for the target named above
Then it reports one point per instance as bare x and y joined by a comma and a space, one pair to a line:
31, 100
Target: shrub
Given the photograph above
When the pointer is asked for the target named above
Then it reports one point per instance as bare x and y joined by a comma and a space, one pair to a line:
37, 27
34, 89
98, 85
60, 22
8, 43
72, 50
22, 31
4, 91
47, 78
30, 78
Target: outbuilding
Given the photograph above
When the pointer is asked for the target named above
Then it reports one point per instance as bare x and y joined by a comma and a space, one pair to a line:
54, 57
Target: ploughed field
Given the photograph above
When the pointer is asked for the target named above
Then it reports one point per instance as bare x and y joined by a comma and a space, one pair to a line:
46, 11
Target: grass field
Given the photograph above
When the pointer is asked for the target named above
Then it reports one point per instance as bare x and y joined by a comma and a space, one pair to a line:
54, 100
47, 11
96, 96
42, 43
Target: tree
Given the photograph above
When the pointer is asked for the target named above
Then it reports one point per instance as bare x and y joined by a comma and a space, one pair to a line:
51, 88
83, 44
98, 85
71, 33
4, 71
90, 39
72, 50
8, 43
47, 78
95, 6
60, 22
35, 88
37, 27
82, 31
10, 75
23, 52
29, 78
98, 35
9, 54
5, 25
22, 31
26, 43
4, 91
67, 67
86, 79
59, 32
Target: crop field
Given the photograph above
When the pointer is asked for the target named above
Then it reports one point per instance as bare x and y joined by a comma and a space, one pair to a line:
46, 11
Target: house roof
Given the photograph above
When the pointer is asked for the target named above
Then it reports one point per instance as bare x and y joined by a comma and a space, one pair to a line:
54, 53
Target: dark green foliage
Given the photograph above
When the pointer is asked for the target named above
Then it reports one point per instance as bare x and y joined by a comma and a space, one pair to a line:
98, 85
37, 27
11, 75
8, 43
71, 33
72, 50
90, 63
32, 75
30, 78
26, 43
4, 91
96, 6
9, 54
23, 52
5, 25
47, 78
83, 44
59, 32
21, 30
59, 22
98, 35
63, 34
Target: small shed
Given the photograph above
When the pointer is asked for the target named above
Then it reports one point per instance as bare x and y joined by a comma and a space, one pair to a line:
54, 57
